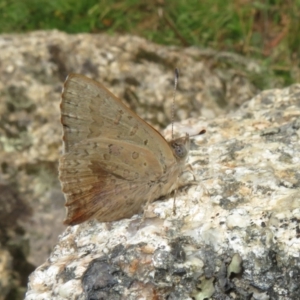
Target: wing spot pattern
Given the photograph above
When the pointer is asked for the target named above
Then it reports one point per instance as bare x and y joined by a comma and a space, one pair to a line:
135, 155
134, 129
118, 117
114, 149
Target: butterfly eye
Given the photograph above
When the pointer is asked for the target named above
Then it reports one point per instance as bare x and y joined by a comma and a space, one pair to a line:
179, 149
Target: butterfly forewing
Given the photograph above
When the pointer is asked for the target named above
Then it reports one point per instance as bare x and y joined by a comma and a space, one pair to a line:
89, 110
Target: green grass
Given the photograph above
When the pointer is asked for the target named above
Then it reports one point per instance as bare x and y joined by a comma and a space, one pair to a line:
268, 30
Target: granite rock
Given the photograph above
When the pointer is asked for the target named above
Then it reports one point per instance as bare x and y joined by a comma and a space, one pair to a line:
235, 234
33, 67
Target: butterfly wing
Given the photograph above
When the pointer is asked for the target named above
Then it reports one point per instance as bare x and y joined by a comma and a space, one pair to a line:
89, 110
114, 161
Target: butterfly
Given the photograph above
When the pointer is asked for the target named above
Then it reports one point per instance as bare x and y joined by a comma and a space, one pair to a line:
113, 162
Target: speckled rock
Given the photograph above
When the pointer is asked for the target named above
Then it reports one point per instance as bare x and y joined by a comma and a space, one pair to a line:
14, 267
236, 231
33, 67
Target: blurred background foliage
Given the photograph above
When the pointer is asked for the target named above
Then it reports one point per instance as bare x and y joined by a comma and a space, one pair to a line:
266, 30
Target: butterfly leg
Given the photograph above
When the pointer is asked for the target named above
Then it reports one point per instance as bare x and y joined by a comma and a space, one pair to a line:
189, 166
189, 183
194, 181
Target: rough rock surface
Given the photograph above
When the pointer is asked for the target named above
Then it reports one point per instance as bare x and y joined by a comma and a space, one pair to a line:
14, 248
33, 67
235, 234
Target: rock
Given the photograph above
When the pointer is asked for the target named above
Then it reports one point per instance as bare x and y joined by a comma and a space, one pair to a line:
14, 267
235, 234
33, 68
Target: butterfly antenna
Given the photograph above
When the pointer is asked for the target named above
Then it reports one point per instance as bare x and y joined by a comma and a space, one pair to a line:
173, 104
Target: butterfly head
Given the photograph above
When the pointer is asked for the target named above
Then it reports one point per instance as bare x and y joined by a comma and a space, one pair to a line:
180, 147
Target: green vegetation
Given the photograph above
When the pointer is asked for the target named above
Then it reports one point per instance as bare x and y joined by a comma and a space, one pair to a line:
268, 30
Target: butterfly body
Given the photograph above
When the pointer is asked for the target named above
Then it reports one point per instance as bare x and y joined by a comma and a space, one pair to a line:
113, 161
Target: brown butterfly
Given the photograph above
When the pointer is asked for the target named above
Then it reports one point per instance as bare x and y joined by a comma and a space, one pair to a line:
113, 162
